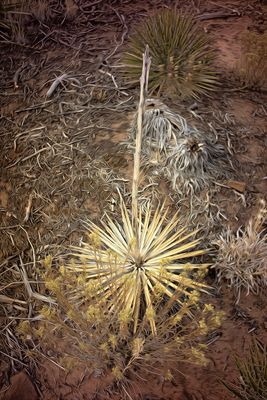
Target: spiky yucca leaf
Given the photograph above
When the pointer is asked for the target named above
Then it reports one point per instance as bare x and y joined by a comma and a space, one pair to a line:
132, 265
253, 374
180, 52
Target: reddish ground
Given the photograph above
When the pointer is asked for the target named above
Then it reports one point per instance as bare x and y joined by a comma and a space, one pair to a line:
56, 152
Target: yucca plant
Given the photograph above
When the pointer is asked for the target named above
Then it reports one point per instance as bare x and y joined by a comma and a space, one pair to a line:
131, 265
132, 254
252, 383
103, 342
180, 51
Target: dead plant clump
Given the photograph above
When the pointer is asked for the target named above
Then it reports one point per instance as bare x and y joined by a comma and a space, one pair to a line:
194, 163
252, 66
180, 52
242, 257
189, 159
100, 337
161, 128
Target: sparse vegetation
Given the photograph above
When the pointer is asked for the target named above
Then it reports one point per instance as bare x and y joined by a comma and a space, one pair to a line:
189, 159
242, 257
123, 307
104, 341
130, 266
251, 69
252, 383
180, 51
14, 16
194, 162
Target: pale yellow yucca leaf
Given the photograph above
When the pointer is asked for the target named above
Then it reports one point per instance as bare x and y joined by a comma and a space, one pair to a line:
151, 233
112, 239
127, 225
153, 229
148, 301
155, 278
161, 248
188, 266
117, 293
115, 233
144, 227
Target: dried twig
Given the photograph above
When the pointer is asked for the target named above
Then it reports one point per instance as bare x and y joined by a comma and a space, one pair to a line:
57, 81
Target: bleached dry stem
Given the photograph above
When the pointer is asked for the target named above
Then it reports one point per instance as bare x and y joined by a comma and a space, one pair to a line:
137, 156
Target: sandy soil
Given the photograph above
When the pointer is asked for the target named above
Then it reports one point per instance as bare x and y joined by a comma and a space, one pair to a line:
61, 157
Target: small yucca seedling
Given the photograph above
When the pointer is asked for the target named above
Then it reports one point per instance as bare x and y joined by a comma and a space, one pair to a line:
242, 257
194, 162
130, 265
180, 52
252, 383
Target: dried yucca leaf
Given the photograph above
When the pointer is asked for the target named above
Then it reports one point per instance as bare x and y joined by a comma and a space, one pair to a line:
161, 128
194, 162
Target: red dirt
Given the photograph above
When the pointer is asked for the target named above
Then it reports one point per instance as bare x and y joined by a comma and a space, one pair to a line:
247, 109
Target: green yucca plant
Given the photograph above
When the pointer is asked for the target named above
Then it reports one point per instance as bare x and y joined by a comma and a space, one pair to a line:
253, 374
180, 52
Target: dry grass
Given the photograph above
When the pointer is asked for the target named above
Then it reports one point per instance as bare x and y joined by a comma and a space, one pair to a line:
252, 66
41, 10
252, 383
242, 257
14, 17
180, 52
